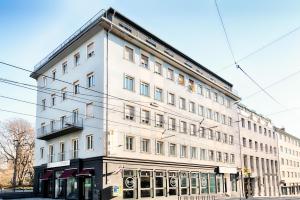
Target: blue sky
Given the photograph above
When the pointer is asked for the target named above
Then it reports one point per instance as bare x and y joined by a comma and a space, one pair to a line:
31, 29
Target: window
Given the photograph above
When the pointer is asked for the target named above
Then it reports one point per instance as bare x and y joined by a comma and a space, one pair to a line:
90, 50
193, 129
128, 83
261, 146
129, 112
215, 96
260, 129
89, 142
128, 54
233, 180
202, 132
218, 136
231, 140
209, 113
75, 148
219, 156
225, 158
194, 183
76, 59
182, 103
63, 94
208, 94
212, 183
44, 104
64, 67
181, 79
89, 110
223, 119
244, 142
159, 148
191, 86
76, 87
210, 134
52, 125
202, 154
183, 151
184, 183
51, 153
42, 152
170, 74
172, 149
144, 61
200, 89
90, 80
171, 99
145, 145
44, 81
53, 75
194, 153
183, 127
144, 89
158, 94
129, 143
53, 99
145, 116
255, 127
129, 190
160, 183
173, 183
201, 111
229, 121
211, 155
256, 145
146, 183
217, 117
204, 183
232, 158
243, 122
172, 124
192, 107
250, 144
158, 68
225, 139
159, 120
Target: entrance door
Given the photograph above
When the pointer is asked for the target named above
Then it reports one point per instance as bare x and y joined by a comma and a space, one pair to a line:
87, 188
248, 187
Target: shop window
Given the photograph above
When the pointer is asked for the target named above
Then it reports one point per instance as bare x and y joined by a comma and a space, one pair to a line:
160, 184
173, 183
146, 183
72, 188
194, 183
233, 182
59, 186
204, 183
129, 184
184, 183
212, 183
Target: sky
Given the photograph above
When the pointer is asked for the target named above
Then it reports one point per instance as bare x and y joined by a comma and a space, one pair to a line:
31, 29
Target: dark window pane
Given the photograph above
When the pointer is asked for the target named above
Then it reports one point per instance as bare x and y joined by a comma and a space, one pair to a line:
127, 194
172, 192
145, 193
159, 182
159, 192
145, 182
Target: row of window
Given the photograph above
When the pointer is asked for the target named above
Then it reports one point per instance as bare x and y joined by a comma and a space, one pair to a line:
257, 128
288, 174
289, 162
183, 104
172, 150
90, 52
289, 151
263, 147
63, 154
260, 164
151, 184
289, 140
182, 80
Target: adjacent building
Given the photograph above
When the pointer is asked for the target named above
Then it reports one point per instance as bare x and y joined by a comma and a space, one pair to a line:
123, 114
289, 158
259, 154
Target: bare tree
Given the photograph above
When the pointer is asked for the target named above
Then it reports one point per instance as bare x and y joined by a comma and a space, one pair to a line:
16, 147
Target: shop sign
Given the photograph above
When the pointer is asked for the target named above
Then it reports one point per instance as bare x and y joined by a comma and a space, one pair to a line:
58, 164
129, 182
173, 181
204, 182
116, 191
227, 170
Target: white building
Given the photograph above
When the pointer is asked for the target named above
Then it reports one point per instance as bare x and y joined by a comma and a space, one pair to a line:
121, 110
259, 153
289, 158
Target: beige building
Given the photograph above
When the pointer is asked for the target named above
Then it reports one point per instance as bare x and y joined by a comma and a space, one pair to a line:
289, 158
259, 154
149, 122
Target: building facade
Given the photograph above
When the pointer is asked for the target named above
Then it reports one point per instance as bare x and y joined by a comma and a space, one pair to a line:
124, 115
289, 158
259, 154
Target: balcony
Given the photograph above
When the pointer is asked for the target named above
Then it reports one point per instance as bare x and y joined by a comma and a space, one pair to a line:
60, 127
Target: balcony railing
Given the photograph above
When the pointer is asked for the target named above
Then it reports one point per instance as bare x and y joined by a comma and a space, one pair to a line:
60, 127
63, 156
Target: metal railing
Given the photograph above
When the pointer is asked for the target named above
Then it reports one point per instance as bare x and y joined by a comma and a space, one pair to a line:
94, 19
63, 156
59, 125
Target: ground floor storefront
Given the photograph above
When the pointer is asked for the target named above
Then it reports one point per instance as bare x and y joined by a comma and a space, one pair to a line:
119, 178
290, 189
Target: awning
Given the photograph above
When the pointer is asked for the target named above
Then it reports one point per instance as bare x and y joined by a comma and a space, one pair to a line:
68, 173
86, 172
47, 175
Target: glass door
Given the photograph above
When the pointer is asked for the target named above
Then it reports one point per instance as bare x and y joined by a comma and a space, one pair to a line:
87, 188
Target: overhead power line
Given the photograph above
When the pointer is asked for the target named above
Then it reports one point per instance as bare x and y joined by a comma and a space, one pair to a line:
102, 93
